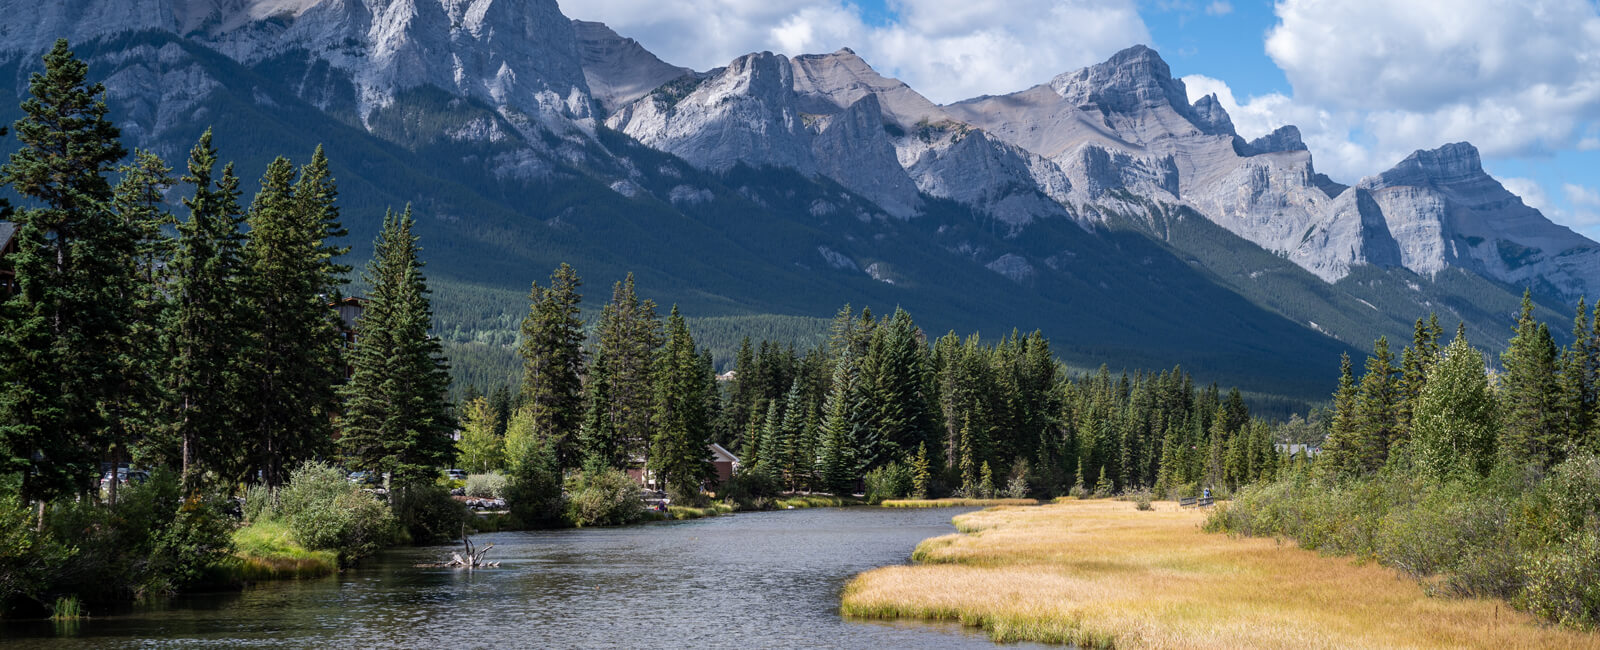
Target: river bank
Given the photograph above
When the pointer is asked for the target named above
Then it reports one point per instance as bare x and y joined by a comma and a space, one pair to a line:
758, 579
1101, 573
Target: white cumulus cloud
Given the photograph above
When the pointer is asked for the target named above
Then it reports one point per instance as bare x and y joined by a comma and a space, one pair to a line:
946, 49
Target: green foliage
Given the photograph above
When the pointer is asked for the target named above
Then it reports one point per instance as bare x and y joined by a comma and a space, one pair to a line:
552, 356
1456, 421
324, 511
428, 515
680, 451
490, 486
30, 560
69, 320
533, 479
395, 418
751, 487
480, 448
260, 503
891, 481
603, 498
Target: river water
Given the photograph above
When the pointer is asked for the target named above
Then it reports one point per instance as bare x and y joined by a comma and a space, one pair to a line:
766, 579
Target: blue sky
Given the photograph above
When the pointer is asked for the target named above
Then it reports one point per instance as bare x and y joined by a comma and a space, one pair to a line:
1367, 81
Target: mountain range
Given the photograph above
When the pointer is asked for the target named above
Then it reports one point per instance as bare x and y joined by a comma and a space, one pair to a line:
1133, 226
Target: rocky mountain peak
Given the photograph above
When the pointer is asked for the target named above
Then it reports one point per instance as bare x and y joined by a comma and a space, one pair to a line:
1131, 80
842, 78
1454, 163
618, 69
1285, 138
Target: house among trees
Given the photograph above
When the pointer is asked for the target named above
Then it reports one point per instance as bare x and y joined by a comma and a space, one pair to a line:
724, 464
724, 461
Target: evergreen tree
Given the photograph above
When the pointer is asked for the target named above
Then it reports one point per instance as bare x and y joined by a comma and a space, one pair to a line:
134, 413
70, 313
205, 331
1341, 447
1531, 395
840, 427
793, 464
1576, 390
1376, 417
479, 449
602, 447
985, 482
629, 334
1456, 417
552, 357
680, 450
395, 418
293, 364
921, 475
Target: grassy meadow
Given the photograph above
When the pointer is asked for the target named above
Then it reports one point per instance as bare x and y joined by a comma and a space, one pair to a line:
1101, 573
955, 502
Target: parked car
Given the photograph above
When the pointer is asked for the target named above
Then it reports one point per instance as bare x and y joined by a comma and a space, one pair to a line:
125, 477
366, 479
456, 474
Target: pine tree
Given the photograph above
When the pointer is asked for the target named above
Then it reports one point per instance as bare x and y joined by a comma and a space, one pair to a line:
395, 418
1376, 416
552, 357
1340, 449
58, 372
1530, 395
1576, 391
836, 460
921, 475
1456, 417
680, 449
134, 413
293, 364
791, 445
600, 445
628, 334
479, 449
205, 330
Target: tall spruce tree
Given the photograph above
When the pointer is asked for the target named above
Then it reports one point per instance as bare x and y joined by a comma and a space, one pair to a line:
395, 418
842, 420
552, 362
294, 363
1531, 395
629, 334
205, 332
134, 412
1339, 452
680, 451
60, 372
1376, 409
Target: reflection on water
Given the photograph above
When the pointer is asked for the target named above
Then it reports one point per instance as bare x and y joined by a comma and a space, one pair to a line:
748, 580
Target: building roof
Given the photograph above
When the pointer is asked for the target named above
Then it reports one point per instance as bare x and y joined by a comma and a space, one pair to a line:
7, 229
722, 454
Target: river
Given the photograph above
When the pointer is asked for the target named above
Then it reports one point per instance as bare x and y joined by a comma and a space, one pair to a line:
765, 579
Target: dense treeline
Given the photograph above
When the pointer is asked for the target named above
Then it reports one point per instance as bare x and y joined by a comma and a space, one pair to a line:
1482, 482
200, 345
876, 406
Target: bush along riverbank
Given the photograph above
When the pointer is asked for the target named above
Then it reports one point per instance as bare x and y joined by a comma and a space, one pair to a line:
1103, 573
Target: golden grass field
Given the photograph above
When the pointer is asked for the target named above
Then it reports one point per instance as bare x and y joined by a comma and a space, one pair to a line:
1101, 573
956, 503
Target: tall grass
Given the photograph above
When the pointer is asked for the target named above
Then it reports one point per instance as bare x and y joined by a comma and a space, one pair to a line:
68, 608
1101, 573
955, 502
266, 550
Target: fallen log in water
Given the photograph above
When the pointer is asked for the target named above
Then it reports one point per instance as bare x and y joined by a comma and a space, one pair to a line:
472, 560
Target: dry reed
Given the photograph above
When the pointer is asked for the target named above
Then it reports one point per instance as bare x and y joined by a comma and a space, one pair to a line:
1101, 573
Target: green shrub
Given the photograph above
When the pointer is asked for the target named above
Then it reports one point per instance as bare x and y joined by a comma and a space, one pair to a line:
260, 503
428, 515
892, 481
1563, 583
533, 483
324, 511
30, 561
688, 497
603, 498
752, 489
487, 486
